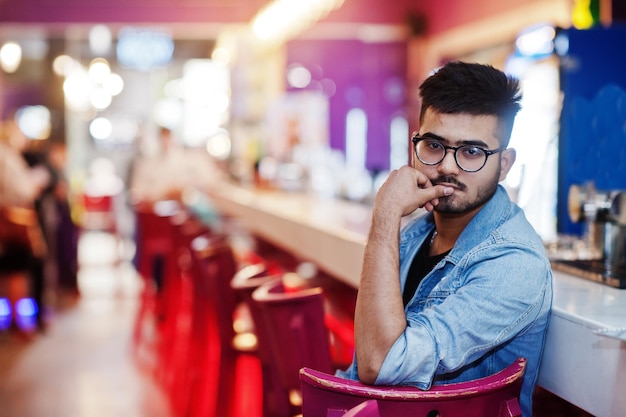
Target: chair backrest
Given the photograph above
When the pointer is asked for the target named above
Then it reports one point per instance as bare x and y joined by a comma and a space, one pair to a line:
250, 277
493, 396
155, 231
246, 280
294, 322
368, 408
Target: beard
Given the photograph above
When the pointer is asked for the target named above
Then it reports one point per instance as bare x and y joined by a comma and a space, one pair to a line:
454, 204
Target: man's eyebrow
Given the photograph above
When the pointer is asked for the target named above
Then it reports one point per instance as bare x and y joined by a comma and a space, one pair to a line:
475, 142
431, 135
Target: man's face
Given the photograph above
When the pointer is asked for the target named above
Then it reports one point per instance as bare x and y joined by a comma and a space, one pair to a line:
472, 189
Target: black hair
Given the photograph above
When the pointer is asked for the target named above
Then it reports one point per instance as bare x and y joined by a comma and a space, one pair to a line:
476, 89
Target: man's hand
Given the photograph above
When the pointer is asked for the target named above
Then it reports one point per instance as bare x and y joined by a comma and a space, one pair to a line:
407, 189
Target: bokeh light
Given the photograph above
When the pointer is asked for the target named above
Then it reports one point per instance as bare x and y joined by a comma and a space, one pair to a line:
10, 57
34, 121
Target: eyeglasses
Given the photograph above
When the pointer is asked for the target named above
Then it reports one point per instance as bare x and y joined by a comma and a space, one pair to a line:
470, 158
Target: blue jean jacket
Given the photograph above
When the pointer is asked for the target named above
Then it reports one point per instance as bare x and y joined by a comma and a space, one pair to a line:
485, 304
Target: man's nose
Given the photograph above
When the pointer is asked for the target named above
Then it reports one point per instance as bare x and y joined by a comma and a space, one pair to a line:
448, 164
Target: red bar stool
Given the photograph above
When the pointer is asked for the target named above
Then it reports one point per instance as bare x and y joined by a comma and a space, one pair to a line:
216, 354
176, 331
244, 283
98, 213
155, 254
340, 326
296, 334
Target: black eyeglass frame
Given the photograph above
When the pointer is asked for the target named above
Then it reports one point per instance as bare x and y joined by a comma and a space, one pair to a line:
488, 152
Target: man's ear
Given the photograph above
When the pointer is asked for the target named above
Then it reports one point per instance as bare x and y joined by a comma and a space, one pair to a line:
507, 159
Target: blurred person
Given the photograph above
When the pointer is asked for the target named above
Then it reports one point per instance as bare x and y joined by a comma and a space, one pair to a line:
60, 230
153, 176
168, 172
67, 229
173, 172
22, 246
462, 291
55, 218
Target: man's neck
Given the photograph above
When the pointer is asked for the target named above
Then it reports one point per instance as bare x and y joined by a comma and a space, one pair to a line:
449, 227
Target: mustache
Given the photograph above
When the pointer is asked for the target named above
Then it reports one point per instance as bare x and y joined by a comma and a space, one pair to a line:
449, 180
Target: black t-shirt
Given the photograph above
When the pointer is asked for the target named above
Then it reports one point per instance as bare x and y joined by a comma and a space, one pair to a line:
421, 265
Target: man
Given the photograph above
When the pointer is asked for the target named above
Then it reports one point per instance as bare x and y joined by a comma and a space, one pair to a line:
461, 292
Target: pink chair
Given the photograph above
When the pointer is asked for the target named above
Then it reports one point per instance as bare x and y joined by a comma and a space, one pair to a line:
296, 335
244, 283
325, 395
367, 408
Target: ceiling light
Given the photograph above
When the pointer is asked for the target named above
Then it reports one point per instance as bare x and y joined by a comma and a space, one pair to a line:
281, 20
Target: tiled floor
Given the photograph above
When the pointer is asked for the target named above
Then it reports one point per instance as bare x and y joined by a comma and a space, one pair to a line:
81, 366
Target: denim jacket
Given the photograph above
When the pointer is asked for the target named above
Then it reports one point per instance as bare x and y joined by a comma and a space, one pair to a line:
485, 304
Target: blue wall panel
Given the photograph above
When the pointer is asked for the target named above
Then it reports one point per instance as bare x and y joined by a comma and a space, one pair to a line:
592, 141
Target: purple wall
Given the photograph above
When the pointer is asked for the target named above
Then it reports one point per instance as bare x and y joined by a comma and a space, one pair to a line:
370, 76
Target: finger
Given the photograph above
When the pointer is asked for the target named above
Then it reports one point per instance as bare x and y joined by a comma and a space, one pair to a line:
433, 193
445, 190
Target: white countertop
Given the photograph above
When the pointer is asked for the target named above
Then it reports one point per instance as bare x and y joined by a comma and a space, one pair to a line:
597, 306
329, 233
584, 358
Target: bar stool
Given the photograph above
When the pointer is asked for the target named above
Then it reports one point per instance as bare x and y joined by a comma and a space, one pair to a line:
98, 212
176, 330
244, 283
215, 354
296, 334
155, 255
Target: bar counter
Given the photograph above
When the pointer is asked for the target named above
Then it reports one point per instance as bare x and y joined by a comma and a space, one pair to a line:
585, 354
